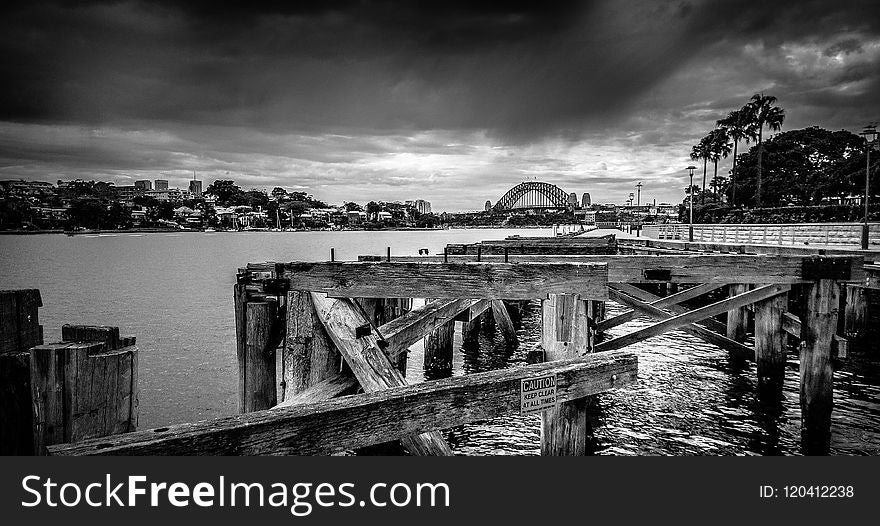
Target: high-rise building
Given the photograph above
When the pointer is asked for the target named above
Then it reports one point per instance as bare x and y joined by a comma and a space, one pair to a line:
143, 185
195, 188
161, 184
424, 207
585, 202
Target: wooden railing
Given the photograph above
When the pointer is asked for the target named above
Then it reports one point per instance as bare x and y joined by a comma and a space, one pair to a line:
768, 234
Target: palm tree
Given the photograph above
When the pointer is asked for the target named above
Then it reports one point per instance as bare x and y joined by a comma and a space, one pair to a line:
764, 113
719, 147
701, 151
738, 125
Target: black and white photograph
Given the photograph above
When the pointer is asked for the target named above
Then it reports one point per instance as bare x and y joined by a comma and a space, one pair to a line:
360, 228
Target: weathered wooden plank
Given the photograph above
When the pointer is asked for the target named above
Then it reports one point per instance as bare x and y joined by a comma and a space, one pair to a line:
453, 280
331, 387
369, 364
682, 267
504, 322
816, 369
751, 248
400, 333
692, 316
674, 299
699, 331
355, 421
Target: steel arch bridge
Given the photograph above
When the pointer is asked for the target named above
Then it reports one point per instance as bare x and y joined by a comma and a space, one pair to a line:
533, 194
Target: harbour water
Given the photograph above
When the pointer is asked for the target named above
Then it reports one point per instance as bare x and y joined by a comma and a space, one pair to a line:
174, 292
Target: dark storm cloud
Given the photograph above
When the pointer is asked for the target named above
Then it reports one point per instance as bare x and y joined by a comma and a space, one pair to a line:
520, 68
331, 90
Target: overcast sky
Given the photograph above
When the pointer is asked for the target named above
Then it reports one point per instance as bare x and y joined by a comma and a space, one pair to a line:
454, 102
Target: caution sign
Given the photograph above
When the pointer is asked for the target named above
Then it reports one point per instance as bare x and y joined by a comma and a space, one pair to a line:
537, 394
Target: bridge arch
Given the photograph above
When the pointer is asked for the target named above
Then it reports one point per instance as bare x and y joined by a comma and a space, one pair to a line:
533, 194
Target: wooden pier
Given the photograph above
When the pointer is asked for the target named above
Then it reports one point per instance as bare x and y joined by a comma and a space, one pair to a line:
341, 331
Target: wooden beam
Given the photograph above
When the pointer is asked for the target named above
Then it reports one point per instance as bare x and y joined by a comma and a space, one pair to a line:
368, 362
400, 333
355, 421
673, 299
699, 331
689, 317
641, 294
453, 280
681, 267
503, 322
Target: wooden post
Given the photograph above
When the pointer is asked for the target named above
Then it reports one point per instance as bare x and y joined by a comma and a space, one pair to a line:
770, 342
598, 311
240, 308
260, 391
736, 318
439, 350
856, 313
83, 389
309, 357
19, 330
565, 335
470, 332
818, 327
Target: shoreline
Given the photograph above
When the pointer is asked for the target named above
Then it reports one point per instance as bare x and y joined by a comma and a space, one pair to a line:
167, 231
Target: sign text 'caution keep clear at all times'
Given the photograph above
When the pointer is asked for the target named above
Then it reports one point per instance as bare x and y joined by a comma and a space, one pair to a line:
537, 394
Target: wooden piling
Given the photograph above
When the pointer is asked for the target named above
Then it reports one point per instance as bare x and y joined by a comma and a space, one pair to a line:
856, 311
309, 357
770, 340
818, 327
260, 344
504, 322
565, 335
439, 350
737, 318
81, 391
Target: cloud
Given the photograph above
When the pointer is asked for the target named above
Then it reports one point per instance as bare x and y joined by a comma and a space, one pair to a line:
449, 101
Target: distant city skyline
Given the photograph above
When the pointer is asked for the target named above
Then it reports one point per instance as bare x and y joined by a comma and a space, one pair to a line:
451, 102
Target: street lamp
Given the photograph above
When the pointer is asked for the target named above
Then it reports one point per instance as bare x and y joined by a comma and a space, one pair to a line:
691, 203
870, 134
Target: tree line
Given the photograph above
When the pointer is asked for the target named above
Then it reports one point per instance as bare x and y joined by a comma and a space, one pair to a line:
806, 167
